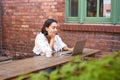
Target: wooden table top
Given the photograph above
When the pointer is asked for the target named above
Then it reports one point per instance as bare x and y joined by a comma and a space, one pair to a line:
15, 68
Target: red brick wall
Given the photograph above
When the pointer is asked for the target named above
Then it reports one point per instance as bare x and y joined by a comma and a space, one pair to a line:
22, 20
103, 37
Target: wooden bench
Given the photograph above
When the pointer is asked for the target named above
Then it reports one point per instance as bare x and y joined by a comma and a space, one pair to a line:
4, 59
13, 69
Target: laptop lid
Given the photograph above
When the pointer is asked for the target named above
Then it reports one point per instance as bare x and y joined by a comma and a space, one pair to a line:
79, 46
78, 49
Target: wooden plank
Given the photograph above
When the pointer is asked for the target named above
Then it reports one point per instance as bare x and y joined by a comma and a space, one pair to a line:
3, 58
13, 69
16, 68
89, 52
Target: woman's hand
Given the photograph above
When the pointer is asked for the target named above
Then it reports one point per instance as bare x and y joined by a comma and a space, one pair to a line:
52, 34
52, 37
68, 49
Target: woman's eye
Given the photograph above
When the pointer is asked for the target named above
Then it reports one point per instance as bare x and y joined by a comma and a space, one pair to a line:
54, 27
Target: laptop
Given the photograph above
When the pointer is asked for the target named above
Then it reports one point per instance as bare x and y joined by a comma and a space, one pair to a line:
78, 49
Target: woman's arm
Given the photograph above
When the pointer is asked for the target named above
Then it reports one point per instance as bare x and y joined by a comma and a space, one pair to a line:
51, 43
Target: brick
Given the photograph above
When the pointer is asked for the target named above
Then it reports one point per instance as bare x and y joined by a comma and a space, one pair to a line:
33, 0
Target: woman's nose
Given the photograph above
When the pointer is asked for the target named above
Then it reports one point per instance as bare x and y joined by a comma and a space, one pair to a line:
55, 29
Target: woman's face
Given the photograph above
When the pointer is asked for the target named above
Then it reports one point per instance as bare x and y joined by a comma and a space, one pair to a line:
52, 28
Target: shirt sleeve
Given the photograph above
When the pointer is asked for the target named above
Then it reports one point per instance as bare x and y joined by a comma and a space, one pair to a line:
59, 44
42, 45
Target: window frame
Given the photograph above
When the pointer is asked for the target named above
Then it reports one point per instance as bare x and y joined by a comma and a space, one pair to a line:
114, 19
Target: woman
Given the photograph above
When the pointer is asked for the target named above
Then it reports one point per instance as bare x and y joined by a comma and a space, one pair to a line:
48, 41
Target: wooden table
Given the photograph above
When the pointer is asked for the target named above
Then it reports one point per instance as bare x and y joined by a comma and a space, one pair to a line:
11, 70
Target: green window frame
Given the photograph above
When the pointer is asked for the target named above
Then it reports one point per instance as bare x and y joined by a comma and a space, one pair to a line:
82, 18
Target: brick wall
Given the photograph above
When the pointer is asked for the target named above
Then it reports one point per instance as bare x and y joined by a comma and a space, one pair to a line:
0, 31
103, 37
22, 20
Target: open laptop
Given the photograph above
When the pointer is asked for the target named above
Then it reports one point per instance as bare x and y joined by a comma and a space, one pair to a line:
78, 49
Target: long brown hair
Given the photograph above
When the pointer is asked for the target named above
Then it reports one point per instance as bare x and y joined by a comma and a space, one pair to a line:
47, 23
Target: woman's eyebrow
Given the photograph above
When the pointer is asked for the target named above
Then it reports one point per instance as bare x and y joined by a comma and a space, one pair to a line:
54, 26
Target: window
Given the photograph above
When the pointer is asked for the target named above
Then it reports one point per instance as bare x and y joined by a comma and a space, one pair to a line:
93, 11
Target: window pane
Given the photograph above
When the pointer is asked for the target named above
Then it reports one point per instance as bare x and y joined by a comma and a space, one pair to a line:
98, 8
73, 6
91, 8
105, 8
101, 8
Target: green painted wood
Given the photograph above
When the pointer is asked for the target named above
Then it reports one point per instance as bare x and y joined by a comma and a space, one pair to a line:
113, 12
118, 11
66, 8
82, 10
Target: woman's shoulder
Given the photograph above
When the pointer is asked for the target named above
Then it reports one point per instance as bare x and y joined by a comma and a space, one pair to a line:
41, 35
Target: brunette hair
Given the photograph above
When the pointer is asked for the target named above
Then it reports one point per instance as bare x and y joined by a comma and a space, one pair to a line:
47, 23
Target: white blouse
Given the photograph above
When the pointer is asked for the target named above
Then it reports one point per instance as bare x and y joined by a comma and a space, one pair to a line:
42, 46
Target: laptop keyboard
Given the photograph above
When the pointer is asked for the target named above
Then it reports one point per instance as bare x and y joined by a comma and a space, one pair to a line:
63, 53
